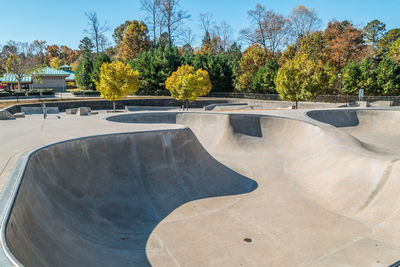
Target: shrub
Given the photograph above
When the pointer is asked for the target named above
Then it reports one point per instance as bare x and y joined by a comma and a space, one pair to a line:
5, 94
85, 92
33, 93
22, 93
46, 91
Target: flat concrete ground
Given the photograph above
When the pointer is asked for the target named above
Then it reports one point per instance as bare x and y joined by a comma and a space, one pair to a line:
228, 190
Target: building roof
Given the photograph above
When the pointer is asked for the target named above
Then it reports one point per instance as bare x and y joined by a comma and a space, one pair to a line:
63, 67
46, 71
71, 77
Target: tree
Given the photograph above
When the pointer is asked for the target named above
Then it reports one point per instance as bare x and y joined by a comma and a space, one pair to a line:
224, 32
218, 67
53, 50
394, 51
154, 18
387, 40
117, 80
301, 79
186, 84
351, 77
304, 20
263, 81
84, 71
254, 57
345, 43
155, 66
173, 17
119, 32
21, 65
368, 79
271, 30
388, 77
55, 62
86, 45
96, 30
373, 32
100, 60
135, 40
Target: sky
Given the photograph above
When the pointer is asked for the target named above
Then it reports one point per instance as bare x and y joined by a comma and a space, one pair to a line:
63, 22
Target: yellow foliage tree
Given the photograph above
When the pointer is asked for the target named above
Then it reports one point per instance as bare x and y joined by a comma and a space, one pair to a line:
186, 84
55, 62
117, 80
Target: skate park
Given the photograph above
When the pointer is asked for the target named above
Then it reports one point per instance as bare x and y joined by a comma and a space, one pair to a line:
202, 188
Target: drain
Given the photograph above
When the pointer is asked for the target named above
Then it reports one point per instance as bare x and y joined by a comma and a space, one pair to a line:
248, 240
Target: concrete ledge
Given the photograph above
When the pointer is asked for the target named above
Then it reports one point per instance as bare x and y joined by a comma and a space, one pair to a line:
5, 115
39, 110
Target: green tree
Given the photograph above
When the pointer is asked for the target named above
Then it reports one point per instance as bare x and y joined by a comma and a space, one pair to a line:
86, 45
351, 76
186, 84
218, 68
387, 40
301, 79
84, 72
136, 40
388, 77
263, 81
373, 32
155, 66
368, 76
394, 50
100, 60
117, 80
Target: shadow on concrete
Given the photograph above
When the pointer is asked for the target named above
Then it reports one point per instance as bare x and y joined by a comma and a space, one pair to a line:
95, 201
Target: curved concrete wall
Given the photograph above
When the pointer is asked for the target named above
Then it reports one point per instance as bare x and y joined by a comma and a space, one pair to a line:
102, 196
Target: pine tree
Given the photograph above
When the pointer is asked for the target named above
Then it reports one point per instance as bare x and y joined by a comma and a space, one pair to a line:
84, 71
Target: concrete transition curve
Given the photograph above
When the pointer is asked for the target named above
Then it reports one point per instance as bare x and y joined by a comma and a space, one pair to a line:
223, 190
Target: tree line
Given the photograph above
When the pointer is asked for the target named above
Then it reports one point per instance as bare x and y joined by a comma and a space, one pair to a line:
291, 55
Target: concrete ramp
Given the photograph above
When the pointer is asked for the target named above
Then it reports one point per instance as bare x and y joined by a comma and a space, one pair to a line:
224, 190
98, 205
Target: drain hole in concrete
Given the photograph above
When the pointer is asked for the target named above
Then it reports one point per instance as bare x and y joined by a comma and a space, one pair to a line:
247, 240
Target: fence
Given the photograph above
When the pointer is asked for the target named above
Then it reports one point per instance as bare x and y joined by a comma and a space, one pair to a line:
322, 98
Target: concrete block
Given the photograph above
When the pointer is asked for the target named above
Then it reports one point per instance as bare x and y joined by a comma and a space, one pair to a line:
71, 111
83, 111
39, 110
5, 115
19, 115
287, 107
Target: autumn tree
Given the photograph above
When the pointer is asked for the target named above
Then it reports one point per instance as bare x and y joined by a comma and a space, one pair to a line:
117, 80
301, 79
304, 20
53, 50
186, 84
173, 17
55, 62
135, 40
345, 43
96, 31
119, 32
254, 57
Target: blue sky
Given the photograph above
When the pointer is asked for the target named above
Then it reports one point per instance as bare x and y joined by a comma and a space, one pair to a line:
63, 22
